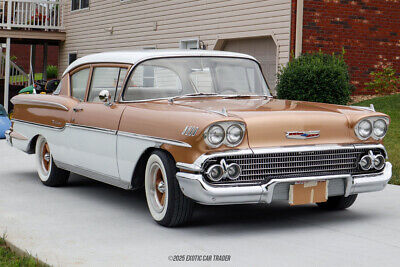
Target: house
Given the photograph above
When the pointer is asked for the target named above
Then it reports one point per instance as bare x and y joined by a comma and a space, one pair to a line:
27, 24
270, 30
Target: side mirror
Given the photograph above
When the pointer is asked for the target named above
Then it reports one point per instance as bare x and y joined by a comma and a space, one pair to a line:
105, 97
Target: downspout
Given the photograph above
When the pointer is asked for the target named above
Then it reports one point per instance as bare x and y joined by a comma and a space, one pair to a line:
299, 28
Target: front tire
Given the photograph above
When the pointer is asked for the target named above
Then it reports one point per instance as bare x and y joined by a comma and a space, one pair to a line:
338, 203
165, 200
49, 173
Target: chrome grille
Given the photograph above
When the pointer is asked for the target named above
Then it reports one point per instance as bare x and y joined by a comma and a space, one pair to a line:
266, 166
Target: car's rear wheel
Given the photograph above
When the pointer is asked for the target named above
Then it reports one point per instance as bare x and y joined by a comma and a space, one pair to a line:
48, 172
338, 203
167, 205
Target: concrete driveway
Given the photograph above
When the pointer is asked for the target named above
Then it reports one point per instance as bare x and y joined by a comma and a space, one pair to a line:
92, 224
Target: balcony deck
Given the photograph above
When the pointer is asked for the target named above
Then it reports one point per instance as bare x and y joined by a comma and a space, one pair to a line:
31, 21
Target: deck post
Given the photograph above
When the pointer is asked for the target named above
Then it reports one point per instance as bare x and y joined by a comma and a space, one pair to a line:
45, 46
32, 65
7, 74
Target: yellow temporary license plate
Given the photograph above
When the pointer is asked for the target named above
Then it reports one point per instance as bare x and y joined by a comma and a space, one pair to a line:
308, 192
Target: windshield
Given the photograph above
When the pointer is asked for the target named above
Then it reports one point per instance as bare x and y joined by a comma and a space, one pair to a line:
174, 77
3, 112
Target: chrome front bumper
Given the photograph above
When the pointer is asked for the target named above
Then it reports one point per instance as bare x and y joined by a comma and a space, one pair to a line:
196, 188
8, 137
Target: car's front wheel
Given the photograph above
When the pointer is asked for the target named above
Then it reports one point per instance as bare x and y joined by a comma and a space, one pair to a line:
48, 172
338, 203
167, 205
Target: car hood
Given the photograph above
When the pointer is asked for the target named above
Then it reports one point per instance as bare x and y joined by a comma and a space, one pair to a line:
269, 120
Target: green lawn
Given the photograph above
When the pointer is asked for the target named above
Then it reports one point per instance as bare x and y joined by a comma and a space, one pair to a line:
10, 259
20, 78
390, 105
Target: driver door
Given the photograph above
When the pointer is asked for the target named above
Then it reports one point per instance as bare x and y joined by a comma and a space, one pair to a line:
95, 124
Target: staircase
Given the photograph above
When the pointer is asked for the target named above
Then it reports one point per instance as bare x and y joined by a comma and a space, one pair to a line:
17, 76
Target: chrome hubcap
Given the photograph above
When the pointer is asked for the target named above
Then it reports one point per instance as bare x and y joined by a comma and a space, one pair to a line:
158, 188
161, 187
47, 157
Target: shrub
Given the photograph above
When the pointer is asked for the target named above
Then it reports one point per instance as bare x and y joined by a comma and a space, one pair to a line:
52, 72
384, 80
315, 77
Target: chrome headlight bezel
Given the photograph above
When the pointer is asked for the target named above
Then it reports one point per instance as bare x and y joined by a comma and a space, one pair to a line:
227, 134
209, 133
371, 121
225, 125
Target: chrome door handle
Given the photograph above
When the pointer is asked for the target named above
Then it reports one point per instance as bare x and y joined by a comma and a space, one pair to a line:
77, 109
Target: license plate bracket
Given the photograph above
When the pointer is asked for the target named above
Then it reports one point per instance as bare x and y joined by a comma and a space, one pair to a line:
302, 193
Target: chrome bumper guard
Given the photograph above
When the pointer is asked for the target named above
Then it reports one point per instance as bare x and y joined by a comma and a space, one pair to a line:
8, 137
194, 187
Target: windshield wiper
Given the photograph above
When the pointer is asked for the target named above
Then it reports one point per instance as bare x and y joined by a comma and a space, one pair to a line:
244, 96
190, 95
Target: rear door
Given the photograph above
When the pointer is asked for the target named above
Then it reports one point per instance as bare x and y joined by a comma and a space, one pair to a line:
94, 123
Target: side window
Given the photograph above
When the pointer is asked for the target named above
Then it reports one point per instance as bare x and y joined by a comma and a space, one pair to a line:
103, 78
150, 81
79, 82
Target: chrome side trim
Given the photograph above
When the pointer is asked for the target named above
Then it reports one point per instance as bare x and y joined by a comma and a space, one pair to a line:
39, 102
90, 128
115, 181
39, 124
188, 167
370, 108
154, 139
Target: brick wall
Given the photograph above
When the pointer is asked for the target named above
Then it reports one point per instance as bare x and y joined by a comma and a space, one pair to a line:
369, 31
22, 52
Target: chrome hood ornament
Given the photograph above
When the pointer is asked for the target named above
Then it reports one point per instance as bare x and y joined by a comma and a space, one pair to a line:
302, 135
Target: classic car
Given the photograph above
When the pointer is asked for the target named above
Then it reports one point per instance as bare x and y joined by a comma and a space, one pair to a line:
198, 126
5, 123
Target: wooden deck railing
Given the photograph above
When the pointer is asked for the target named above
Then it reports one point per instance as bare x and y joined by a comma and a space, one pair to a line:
17, 75
31, 14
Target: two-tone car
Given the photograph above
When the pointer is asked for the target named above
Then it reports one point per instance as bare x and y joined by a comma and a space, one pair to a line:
198, 126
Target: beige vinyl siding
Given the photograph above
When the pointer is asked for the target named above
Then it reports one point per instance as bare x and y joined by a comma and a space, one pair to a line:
148, 23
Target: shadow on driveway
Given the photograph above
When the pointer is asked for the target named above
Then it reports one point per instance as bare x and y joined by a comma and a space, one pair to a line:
220, 220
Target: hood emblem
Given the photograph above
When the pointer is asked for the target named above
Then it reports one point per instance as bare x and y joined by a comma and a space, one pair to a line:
302, 135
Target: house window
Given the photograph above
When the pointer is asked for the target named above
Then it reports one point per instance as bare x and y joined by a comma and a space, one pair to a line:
189, 44
72, 57
79, 4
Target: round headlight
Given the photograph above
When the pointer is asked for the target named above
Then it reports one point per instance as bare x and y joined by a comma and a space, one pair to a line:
234, 171
234, 134
216, 135
215, 173
365, 163
380, 128
364, 129
379, 162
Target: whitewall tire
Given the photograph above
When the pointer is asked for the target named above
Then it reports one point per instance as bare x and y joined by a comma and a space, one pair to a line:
48, 172
166, 203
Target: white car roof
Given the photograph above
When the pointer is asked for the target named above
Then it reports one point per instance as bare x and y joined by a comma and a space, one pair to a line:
132, 57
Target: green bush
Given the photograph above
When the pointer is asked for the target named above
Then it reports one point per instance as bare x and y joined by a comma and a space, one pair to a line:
52, 72
315, 77
384, 81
